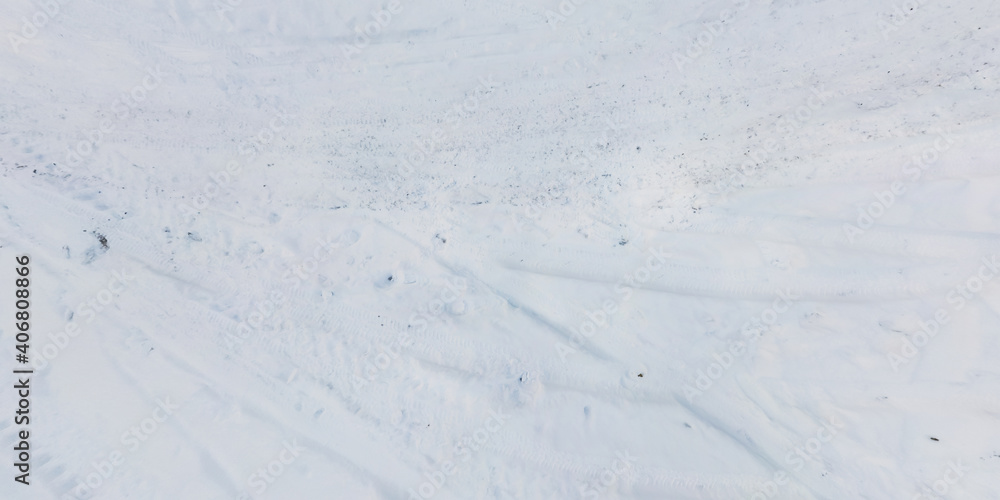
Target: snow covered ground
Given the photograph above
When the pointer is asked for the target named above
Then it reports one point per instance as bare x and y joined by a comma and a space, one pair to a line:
727, 249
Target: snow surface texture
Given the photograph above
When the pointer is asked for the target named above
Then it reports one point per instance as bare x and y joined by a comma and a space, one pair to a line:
538, 250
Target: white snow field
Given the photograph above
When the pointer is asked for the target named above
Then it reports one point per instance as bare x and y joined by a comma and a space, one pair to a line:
725, 249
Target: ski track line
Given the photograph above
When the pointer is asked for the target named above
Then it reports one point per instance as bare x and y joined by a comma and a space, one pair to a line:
581, 385
332, 374
231, 325
730, 419
321, 370
551, 374
478, 360
664, 481
955, 397
519, 294
132, 378
215, 463
770, 410
485, 361
223, 325
500, 369
741, 283
826, 233
473, 276
373, 403
613, 391
353, 434
520, 305
699, 414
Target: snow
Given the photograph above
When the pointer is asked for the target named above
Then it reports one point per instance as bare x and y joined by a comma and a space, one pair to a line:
629, 250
